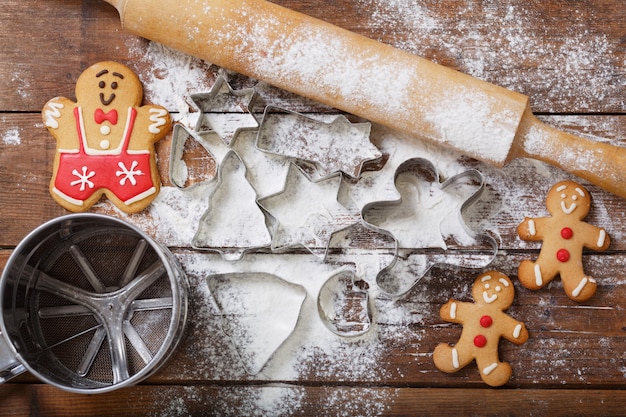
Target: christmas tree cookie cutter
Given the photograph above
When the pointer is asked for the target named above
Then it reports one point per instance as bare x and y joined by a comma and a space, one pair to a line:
427, 225
232, 215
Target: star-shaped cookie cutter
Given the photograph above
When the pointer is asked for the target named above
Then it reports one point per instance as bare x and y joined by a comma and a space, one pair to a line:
222, 106
402, 274
306, 213
335, 146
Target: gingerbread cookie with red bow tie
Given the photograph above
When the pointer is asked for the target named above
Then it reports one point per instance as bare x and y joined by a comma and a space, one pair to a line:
105, 141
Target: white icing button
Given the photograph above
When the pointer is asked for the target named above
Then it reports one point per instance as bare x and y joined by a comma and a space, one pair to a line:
105, 130
105, 144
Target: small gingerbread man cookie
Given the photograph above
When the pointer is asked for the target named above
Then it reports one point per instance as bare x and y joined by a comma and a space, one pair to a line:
105, 141
484, 323
564, 235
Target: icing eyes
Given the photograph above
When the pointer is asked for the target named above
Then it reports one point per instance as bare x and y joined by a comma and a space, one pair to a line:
102, 84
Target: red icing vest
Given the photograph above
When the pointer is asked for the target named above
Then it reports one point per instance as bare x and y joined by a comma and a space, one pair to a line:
84, 171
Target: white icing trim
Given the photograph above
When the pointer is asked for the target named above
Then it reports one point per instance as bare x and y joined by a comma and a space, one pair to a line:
140, 196
158, 119
91, 151
538, 276
51, 113
67, 197
504, 282
561, 188
485, 278
139, 152
455, 358
531, 228
568, 210
69, 150
580, 287
488, 299
517, 331
601, 238
579, 191
453, 310
490, 368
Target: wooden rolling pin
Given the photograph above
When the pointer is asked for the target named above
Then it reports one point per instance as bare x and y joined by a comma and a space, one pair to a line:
358, 75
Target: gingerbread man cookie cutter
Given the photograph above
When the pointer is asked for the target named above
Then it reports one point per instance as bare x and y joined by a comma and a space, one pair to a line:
403, 273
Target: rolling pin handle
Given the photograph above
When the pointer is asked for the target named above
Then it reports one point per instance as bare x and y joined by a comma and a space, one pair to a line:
600, 163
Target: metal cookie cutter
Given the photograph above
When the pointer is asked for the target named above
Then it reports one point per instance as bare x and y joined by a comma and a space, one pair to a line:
336, 146
422, 242
343, 304
306, 213
233, 223
90, 304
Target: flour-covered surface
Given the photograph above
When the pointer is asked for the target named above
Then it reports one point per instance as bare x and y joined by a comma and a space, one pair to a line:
354, 350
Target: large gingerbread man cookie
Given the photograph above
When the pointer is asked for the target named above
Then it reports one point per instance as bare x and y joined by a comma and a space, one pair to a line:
484, 323
105, 141
564, 235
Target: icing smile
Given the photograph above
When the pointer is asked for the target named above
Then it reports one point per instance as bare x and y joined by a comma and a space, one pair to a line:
568, 210
489, 299
107, 101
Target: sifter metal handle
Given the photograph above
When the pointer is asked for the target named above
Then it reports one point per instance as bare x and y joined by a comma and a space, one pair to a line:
9, 365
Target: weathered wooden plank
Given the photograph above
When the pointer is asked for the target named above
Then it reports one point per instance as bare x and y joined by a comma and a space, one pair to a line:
571, 345
289, 400
27, 149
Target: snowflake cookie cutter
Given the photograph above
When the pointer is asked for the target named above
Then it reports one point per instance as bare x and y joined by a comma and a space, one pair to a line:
314, 142
447, 201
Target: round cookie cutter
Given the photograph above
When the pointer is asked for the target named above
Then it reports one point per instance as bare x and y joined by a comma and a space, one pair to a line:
90, 304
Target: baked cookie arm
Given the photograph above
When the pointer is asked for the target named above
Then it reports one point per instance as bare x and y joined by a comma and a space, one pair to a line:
453, 311
596, 238
531, 229
516, 331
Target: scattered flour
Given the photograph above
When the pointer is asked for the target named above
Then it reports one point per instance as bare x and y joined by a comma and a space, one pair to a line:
12, 137
577, 71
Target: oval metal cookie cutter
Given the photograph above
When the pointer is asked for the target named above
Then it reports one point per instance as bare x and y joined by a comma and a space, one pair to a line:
90, 304
411, 262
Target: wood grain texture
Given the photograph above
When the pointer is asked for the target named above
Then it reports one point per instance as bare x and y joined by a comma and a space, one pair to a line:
567, 56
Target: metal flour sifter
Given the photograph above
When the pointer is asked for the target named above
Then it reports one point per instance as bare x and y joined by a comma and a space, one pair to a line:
90, 304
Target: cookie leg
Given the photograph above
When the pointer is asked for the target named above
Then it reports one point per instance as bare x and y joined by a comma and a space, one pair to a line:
450, 358
494, 372
579, 287
535, 275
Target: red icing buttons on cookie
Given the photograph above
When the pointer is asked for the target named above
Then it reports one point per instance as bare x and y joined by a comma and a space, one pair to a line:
567, 233
562, 255
480, 341
486, 321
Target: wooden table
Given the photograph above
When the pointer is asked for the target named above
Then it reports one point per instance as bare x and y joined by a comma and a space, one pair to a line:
568, 56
